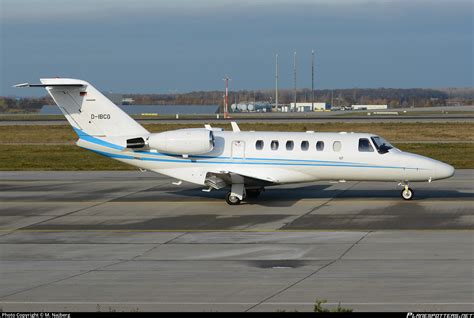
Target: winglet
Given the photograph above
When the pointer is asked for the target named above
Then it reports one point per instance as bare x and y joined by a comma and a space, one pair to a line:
235, 127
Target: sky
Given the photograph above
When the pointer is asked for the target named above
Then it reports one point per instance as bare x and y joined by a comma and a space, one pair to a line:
141, 46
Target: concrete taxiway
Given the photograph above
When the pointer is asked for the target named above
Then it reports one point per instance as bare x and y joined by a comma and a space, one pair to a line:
134, 241
271, 120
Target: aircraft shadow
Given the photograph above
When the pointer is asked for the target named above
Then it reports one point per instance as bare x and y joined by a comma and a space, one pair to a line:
279, 197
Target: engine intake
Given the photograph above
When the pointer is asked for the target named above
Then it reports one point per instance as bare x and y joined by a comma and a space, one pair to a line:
136, 143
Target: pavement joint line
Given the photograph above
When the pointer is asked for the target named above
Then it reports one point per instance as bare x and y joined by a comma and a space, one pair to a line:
220, 303
311, 274
291, 285
217, 201
224, 303
175, 238
61, 279
83, 209
157, 246
321, 205
22, 230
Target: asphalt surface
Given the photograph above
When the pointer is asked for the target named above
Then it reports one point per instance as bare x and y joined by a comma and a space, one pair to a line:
276, 120
133, 241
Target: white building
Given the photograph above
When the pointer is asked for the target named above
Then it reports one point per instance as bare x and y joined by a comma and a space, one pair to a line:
309, 107
369, 107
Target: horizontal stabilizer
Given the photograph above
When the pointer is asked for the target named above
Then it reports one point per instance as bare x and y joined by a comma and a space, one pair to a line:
48, 85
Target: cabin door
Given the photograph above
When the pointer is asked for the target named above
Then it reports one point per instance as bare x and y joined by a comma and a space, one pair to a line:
238, 149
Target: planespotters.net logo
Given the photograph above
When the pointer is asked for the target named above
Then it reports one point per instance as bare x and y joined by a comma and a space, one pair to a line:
441, 315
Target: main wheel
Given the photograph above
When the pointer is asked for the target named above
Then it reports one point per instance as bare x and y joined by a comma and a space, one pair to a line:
232, 199
407, 194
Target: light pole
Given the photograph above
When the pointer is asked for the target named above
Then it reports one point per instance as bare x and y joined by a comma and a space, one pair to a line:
294, 80
312, 80
226, 104
276, 82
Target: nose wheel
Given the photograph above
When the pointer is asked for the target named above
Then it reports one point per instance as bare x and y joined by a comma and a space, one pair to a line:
407, 193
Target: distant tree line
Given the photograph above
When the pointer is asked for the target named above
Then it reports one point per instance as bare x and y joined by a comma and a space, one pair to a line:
24, 105
394, 97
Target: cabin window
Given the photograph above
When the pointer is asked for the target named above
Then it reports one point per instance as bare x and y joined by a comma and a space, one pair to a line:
259, 145
290, 145
336, 146
320, 146
304, 145
365, 146
274, 145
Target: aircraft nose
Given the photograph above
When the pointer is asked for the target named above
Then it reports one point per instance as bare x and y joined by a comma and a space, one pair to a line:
443, 170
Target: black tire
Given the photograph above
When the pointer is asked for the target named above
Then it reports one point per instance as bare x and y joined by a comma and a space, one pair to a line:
231, 199
407, 195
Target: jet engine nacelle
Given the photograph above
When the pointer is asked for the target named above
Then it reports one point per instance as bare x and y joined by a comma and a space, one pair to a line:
183, 141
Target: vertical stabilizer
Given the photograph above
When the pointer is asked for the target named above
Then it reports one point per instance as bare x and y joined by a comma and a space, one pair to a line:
89, 111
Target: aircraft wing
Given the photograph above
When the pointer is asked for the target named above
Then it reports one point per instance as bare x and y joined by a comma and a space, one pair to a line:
221, 179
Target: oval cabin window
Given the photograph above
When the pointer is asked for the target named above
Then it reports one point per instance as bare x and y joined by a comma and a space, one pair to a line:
304, 145
274, 145
320, 146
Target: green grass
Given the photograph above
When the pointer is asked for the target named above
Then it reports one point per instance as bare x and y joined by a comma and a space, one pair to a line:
390, 131
459, 155
50, 157
70, 157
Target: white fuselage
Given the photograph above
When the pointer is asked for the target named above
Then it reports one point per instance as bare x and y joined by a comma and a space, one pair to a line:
239, 153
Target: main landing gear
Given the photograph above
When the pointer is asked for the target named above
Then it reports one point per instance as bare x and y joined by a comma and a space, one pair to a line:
232, 197
407, 193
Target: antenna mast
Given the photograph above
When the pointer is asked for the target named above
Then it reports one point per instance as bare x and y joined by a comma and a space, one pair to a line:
312, 80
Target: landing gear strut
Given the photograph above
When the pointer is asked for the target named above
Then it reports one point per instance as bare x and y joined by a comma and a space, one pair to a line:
407, 193
236, 194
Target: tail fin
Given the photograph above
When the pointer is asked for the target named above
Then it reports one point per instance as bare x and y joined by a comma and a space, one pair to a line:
87, 110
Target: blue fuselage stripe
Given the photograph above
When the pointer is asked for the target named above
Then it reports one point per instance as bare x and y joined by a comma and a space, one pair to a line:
218, 160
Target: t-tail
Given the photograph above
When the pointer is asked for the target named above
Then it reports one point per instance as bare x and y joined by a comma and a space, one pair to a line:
88, 111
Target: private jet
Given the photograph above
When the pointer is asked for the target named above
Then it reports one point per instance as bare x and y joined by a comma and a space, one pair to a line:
244, 161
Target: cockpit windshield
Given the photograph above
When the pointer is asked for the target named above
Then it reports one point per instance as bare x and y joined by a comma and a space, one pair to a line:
381, 144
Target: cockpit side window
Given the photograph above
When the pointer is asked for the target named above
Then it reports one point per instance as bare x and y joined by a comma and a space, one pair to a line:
365, 146
381, 144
